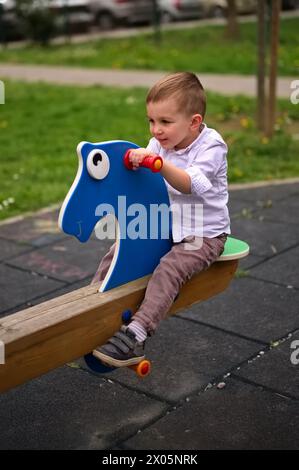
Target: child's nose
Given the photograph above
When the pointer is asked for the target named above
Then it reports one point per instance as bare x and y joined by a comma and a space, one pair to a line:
157, 129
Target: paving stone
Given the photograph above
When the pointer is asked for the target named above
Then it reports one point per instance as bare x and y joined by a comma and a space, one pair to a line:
264, 237
266, 193
61, 290
250, 308
238, 207
239, 196
17, 287
282, 269
239, 416
249, 262
285, 211
70, 409
9, 249
186, 356
36, 230
68, 260
274, 369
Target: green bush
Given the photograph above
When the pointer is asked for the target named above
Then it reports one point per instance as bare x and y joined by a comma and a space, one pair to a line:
37, 20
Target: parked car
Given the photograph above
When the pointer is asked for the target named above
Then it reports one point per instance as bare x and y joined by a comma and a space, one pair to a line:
65, 15
108, 13
217, 8
72, 14
172, 10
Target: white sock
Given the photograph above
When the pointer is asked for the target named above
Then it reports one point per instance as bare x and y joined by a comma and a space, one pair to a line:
138, 330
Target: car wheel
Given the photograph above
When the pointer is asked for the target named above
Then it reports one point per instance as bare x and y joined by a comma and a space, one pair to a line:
105, 21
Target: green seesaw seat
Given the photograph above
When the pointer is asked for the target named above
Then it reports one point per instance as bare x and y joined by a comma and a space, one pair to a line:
234, 249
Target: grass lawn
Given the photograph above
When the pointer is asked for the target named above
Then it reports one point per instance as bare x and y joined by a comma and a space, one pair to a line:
41, 125
201, 49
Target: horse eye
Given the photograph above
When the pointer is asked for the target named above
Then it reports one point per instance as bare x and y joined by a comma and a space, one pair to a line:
97, 158
98, 164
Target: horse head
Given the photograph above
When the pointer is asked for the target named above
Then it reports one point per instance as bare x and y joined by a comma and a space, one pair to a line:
103, 186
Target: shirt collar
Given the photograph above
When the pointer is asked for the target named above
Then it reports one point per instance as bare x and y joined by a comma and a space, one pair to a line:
193, 144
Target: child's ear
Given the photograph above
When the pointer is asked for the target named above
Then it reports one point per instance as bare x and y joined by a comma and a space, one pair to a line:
196, 121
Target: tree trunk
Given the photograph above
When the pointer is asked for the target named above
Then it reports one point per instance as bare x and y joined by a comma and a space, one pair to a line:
156, 21
261, 65
232, 31
276, 4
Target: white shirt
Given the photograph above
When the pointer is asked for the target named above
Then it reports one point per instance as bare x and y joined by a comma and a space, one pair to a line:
204, 212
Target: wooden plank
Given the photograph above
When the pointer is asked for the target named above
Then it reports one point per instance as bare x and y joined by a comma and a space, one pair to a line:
48, 335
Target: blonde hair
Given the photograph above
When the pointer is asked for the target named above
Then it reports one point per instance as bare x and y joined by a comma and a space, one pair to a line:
185, 88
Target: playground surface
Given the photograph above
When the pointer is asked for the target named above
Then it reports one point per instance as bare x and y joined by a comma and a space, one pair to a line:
225, 372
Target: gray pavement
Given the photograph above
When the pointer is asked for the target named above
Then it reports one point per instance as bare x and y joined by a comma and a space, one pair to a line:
222, 373
224, 84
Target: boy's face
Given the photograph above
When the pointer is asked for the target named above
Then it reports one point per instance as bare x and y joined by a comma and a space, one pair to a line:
171, 127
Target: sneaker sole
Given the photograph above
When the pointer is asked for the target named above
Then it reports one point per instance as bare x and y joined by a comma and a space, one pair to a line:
110, 361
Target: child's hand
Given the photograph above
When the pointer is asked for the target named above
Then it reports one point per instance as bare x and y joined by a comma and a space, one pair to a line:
136, 156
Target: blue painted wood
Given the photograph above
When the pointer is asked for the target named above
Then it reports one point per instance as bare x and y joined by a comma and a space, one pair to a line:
102, 178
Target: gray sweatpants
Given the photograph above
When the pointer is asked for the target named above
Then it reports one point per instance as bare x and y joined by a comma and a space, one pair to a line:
174, 269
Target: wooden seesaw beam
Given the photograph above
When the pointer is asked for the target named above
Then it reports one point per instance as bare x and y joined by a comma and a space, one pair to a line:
63, 329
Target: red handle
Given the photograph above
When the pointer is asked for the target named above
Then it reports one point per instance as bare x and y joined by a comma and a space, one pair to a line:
153, 163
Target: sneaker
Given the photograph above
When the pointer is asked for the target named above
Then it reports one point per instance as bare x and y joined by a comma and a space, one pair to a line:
121, 350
